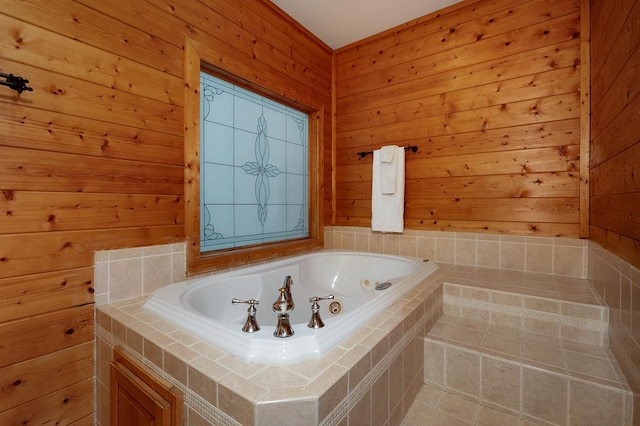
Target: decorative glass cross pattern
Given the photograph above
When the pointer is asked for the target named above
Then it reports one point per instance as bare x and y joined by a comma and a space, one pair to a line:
262, 170
254, 172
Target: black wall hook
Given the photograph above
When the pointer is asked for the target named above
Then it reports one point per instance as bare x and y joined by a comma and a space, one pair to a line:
16, 83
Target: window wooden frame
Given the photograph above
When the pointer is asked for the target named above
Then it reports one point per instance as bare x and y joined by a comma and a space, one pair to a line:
199, 57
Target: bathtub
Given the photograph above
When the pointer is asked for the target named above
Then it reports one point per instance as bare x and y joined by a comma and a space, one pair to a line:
203, 306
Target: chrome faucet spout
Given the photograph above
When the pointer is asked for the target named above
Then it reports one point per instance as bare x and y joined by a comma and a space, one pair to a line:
283, 305
284, 302
288, 282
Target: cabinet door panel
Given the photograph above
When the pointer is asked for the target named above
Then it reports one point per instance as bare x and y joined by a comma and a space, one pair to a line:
139, 397
133, 402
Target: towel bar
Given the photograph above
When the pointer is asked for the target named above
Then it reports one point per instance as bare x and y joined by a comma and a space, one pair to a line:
412, 148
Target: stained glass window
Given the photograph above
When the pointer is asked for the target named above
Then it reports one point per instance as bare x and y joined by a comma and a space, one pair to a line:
253, 170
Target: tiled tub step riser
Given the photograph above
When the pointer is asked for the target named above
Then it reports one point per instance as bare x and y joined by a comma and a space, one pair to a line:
536, 394
556, 318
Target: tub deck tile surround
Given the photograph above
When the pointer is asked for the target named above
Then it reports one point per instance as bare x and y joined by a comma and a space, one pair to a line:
508, 288
378, 369
335, 387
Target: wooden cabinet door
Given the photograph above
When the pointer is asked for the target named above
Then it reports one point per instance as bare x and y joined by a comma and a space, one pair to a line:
139, 397
134, 403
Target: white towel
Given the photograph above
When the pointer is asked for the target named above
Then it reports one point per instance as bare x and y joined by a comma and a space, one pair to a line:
387, 210
388, 169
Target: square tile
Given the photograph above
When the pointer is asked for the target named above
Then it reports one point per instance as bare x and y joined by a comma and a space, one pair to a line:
434, 362
542, 305
540, 326
459, 407
539, 259
544, 395
498, 344
501, 382
467, 337
462, 371
591, 366
595, 405
551, 356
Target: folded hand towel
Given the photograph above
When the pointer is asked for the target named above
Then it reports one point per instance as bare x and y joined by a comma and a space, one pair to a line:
388, 153
388, 169
387, 210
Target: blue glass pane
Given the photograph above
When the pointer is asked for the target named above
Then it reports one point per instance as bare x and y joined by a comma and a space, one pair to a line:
254, 168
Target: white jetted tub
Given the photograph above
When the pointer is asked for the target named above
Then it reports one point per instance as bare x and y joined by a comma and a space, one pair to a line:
203, 306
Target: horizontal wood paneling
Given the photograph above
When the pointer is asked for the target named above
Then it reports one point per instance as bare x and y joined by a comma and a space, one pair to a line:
615, 126
618, 136
92, 159
88, 26
33, 128
68, 95
489, 92
614, 175
24, 254
608, 20
29, 295
495, 227
617, 213
563, 158
621, 91
482, 19
28, 169
534, 185
552, 83
535, 61
28, 212
32, 379
480, 209
43, 334
65, 406
41, 48
552, 134
396, 71
618, 175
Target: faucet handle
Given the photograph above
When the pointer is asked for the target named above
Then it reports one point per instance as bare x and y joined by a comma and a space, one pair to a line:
250, 325
316, 299
251, 302
316, 321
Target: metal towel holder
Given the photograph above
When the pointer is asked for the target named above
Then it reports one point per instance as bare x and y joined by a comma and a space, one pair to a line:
16, 83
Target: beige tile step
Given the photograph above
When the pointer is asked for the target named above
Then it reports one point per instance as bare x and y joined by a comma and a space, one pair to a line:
538, 378
558, 307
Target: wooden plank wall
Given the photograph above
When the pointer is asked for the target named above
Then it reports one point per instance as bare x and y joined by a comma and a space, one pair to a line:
92, 159
615, 172
489, 92
615, 128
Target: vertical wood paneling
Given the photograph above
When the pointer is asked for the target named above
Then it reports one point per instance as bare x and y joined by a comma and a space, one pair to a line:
490, 93
92, 159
